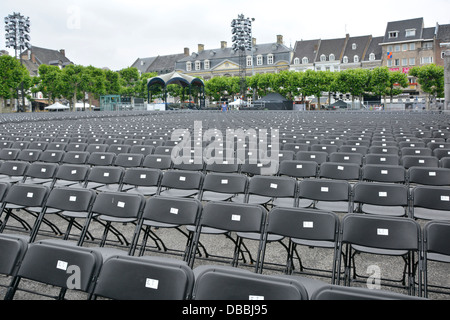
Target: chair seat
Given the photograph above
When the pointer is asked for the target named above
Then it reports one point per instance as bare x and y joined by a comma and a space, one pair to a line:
157, 224
438, 257
207, 230
146, 191
179, 193
313, 243
430, 214
257, 236
216, 196
393, 211
116, 219
379, 251
338, 206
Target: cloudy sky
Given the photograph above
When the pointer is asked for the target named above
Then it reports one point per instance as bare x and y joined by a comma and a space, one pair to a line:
115, 33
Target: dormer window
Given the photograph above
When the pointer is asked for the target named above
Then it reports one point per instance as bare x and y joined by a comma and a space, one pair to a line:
188, 66
207, 64
393, 34
372, 57
296, 61
410, 33
323, 58
197, 65
305, 60
270, 59
331, 57
259, 60
345, 59
249, 61
354, 46
356, 59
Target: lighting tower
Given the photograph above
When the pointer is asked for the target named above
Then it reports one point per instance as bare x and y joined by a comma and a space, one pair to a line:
241, 28
17, 29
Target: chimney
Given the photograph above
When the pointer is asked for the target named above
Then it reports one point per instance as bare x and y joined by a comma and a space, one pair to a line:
63, 52
223, 44
186, 52
253, 42
201, 47
33, 57
279, 39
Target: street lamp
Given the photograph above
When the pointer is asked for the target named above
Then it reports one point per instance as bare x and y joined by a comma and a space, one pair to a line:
17, 29
241, 28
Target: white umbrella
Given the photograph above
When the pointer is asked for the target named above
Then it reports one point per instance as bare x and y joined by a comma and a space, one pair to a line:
57, 106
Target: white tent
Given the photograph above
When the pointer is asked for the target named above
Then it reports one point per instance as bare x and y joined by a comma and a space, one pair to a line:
238, 102
57, 107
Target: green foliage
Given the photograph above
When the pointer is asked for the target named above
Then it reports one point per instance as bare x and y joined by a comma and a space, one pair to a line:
431, 79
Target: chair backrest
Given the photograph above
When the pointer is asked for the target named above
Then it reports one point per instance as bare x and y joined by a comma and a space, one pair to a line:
178, 211
101, 158
182, 179
105, 174
30, 155
227, 283
142, 177
316, 156
434, 198
9, 154
394, 233
144, 278
342, 171
382, 194
142, 149
346, 157
119, 148
157, 161
12, 249
225, 182
384, 159
129, 160
72, 172
118, 204
429, 176
14, 168
54, 156
384, 173
436, 236
325, 189
71, 199
298, 168
41, 170
27, 195
75, 157
419, 161
272, 186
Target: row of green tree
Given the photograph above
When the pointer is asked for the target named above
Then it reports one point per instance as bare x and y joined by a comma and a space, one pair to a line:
75, 83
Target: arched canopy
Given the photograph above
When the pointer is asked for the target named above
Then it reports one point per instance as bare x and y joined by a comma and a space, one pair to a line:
175, 78
180, 79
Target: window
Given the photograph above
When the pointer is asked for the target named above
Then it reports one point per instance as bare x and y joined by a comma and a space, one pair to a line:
404, 62
393, 34
249, 61
426, 60
428, 45
270, 59
397, 48
323, 58
207, 64
188, 66
305, 60
412, 46
354, 46
331, 57
412, 61
397, 62
410, 32
389, 63
296, 61
405, 47
390, 48
197, 65
372, 57
259, 60
355, 59
345, 59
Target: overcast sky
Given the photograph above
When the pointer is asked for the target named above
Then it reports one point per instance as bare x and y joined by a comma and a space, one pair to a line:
115, 33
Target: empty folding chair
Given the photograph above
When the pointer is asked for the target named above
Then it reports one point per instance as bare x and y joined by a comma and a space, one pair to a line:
54, 263
69, 204
142, 149
296, 147
40, 172
181, 183
383, 173
153, 142
316, 156
346, 157
224, 218
104, 178
228, 283
340, 171
220, 165
161, 214
190, 164
223, 186
264, 167
144, 278
163, 150
381, 199
128, 160
298, 169
436, 236
13, 171
27, 198
144, 181
54, 156
419, 161
383, 237
69, 175
9, 154
314, 230
383, 150
440, 153
76, 146
12, 250
384, 159
416, 152
5, 144
101, 159
119, 148
329, 149
97, 147
430, 203
29, 155
444, 162
270, 191
75, 157
325, 194
56, 146
156, 161
363, 150
111, 209
428, 176
21, 145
